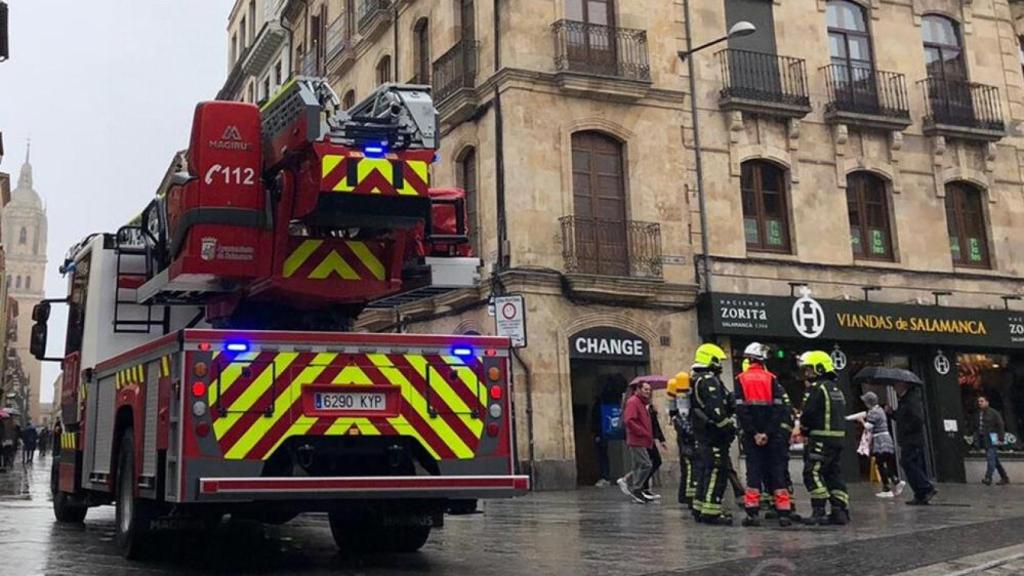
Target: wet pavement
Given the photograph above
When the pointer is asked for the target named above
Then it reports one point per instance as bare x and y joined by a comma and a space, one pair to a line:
589, 531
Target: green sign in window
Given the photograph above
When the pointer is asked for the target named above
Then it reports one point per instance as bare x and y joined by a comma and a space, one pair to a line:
954, 248
750, 231
855, 241
775, 233
974, 245
877, 242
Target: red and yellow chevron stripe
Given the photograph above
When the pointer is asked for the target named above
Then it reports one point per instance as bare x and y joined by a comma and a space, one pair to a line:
324, 259
354, 173
258, 400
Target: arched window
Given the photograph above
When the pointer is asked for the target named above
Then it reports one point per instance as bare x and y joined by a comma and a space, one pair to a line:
17, 283
765, 210
384, 70
9, 278
850, 48
965, 220
421, 51
349, 100
599, 204
467, 20
23, 236
870, 234
943, 55
28, 282
466, 178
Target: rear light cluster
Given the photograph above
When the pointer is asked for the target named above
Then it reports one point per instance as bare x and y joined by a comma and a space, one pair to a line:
199, 406
496, 391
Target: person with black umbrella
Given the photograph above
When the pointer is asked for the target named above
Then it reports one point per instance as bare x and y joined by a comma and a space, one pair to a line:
910, 421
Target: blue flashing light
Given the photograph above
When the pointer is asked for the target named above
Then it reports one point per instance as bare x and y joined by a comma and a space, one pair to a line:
237, 346
375, 151
462, 351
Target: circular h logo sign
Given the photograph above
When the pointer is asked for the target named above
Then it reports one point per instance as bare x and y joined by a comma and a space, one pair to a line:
808, 316
942, 364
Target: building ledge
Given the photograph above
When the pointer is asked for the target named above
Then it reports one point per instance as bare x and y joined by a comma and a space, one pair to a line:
372, 25
876, 121
992, 134
269, 40
764, 107
625, 290
458, 107
603, 87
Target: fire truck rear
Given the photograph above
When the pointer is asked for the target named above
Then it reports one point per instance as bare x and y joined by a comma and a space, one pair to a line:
208, 366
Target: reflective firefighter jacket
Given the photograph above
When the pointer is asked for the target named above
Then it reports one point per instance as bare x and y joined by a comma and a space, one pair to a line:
711, 408
824, 413
761, 403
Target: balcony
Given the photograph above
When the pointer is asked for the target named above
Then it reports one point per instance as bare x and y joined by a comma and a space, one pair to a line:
454, 80
865, 97
763, 83
373, 16
607, 60
610, 248
962, 110
338, 53
268, 43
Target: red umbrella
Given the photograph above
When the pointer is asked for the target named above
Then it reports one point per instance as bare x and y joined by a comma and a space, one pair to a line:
657, 382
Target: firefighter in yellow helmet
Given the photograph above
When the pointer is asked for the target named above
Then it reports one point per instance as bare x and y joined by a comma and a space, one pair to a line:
678, 392
712, 419
823, 423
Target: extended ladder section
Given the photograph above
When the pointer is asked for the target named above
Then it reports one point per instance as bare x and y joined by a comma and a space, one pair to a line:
133, 268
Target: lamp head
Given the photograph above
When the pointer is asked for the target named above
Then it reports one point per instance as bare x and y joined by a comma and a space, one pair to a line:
741, 29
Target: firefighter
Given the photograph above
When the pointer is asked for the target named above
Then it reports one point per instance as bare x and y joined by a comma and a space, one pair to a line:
823, 423
678, 392
761, 408
711, 414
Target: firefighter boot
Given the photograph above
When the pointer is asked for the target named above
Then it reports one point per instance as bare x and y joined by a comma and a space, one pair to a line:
752, 520
818, 517
839, 517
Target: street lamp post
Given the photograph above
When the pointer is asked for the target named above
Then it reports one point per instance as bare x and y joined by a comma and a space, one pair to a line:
738, 30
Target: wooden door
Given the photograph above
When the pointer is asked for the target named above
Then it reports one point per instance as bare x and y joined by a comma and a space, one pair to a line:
599, 200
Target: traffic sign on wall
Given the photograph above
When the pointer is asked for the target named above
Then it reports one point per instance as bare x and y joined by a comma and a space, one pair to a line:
510, 319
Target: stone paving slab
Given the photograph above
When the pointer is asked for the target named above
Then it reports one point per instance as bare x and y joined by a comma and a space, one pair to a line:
588, 531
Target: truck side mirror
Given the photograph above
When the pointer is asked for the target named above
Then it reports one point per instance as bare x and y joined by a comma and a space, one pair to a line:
181, 178
41, 312
37, 344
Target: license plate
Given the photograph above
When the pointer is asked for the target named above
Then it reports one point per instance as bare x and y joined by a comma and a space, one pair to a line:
352, 401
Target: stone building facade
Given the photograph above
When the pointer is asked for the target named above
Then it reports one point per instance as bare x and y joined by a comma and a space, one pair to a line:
24, 240
258, 51
851, 151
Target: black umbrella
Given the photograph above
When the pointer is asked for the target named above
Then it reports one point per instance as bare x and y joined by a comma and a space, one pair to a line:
888, 376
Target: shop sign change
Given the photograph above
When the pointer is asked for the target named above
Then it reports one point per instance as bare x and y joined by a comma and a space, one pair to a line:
806, 317
607, 343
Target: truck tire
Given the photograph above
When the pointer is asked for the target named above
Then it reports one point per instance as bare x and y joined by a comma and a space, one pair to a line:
363, 535
63, 508
132, 534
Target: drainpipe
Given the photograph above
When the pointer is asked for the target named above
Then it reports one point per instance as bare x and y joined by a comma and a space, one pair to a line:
499, 148
698, 160
394, 61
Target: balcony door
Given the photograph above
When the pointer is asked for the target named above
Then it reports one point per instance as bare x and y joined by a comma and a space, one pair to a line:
590, 36
753, 69
599, 205
849, 45
949, 93
467, 34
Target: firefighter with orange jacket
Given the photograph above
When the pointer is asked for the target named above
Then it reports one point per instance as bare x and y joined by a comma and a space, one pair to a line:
762, 410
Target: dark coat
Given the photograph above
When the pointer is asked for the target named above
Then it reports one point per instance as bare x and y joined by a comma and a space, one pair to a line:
910, 419
989, 421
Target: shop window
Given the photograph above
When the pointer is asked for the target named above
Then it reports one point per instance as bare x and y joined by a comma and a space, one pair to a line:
1001, 380
466, 178
965, 221
866, 201
765, 211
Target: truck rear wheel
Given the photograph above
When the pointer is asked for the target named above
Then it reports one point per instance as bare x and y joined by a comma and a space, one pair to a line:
362, 534
132, 533
63, 508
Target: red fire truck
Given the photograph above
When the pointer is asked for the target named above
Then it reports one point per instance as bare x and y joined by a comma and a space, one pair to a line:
209, 363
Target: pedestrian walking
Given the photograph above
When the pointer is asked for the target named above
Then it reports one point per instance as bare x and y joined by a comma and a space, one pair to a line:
823, 423
712, 418
29, 441
991, 433
909, 417
654, 451
882, 447
678, 391
44, 439
761, 409
600, 444
6, 442
639, 439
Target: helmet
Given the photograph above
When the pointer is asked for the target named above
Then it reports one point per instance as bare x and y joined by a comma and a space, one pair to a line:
708, 356
682, 381
820, 361
756, 351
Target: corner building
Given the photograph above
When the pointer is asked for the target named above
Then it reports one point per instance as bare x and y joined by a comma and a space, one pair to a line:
863, 178
562, 121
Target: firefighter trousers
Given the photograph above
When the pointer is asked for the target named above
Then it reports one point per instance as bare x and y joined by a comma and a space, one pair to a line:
823, 476
765, 468
714, 479
687, 477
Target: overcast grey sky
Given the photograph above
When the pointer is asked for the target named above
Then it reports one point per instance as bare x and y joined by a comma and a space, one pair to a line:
105, 89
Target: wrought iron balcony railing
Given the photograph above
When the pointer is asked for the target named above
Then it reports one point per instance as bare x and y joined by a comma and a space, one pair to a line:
338, 37
310, 64
370, 9
455, 70
601, 50
611, 248
760, 77
962, 104
863, 90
